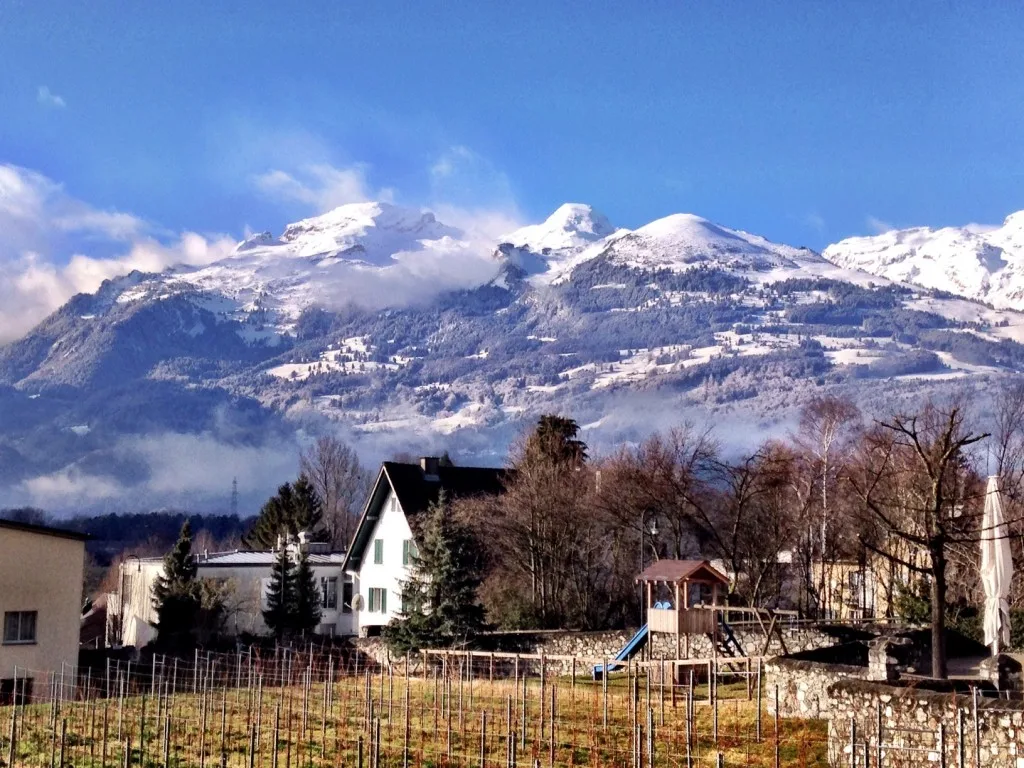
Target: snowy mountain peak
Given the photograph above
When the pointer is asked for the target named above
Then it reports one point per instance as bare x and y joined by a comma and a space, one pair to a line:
977, 262
256, 240
572, 226
1014, 222
375, 226
688, 229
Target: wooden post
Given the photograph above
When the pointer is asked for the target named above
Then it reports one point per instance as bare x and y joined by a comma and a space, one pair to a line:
758, 716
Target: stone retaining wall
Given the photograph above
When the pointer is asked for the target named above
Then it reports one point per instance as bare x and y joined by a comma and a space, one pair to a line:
909, 727
803, 686
594, 647
606, 645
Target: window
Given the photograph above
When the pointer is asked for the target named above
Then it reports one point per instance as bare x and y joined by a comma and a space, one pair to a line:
378, 551
19, 627
346, 597
329, 592
15, 690
378, 600
409, 552
862, 593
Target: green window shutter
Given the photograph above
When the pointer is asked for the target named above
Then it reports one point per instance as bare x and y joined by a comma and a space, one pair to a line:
378, 551
383, 601
405, 552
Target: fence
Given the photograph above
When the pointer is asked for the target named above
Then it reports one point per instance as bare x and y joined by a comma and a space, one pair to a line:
913, 727
439, 708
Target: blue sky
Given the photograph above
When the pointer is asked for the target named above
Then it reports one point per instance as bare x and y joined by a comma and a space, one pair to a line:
803, 121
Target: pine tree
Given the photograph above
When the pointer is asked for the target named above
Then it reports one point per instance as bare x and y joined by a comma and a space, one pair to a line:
306, 613
280, 594
177, 594
439, 600
294, 508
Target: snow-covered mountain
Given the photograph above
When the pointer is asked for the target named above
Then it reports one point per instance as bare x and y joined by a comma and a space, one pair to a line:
407, 334
975, 262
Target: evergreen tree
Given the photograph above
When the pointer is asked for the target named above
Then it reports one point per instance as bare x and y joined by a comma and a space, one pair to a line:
295, 507
305, 613
556, 440
177, 594
280, 594
439, 601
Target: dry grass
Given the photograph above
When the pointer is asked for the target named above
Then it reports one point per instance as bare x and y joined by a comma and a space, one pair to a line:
420, 722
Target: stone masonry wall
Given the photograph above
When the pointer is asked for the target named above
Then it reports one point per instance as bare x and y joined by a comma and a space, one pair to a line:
803, 686
909, 727
605, 645
595, 647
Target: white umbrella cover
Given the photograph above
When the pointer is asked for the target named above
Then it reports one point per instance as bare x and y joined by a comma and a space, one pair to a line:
996, 569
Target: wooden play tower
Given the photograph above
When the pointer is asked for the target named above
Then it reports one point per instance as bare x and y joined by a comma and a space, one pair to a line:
682, 600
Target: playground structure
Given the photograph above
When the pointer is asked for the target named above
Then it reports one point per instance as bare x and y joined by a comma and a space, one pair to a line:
682, 599
691, 606
682, 612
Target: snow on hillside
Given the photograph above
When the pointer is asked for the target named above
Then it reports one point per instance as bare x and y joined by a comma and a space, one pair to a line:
974, 262
628, 330
371, 254
571, 227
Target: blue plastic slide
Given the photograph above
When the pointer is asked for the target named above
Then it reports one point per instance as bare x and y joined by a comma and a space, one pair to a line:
632, 647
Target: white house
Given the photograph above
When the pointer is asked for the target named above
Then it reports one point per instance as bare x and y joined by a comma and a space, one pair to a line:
41, 605
244, 577
380, 554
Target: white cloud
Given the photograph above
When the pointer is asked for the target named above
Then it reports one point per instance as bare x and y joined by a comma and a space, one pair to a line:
980, 229
45, 233
320, 187
179, 470
815, 221
48, 98
462, 176
70, 486
468, 191
878, 226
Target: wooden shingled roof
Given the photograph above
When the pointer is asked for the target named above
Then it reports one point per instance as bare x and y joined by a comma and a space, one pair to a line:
675, 571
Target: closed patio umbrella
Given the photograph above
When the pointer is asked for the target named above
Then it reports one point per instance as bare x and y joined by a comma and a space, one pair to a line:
996, 569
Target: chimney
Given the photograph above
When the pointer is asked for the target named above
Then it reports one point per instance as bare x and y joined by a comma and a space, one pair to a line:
429, 465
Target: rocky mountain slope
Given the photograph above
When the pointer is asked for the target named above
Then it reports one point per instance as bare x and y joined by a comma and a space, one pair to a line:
975, 262
408, 334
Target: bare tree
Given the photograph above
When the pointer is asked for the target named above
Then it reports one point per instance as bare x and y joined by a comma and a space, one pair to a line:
667, 479
555, 561
823, 438
342, 484
922, 498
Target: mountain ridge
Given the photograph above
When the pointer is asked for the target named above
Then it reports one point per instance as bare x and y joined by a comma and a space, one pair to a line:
396, 330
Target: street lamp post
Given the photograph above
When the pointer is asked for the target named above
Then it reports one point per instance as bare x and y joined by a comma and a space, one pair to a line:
643, 535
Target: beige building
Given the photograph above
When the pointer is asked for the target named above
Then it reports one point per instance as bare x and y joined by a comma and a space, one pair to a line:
41, 604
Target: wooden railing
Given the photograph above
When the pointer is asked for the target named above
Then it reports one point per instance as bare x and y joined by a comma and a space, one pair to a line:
691, 621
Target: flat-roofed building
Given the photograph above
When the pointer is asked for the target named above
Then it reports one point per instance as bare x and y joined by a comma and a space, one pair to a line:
40, 604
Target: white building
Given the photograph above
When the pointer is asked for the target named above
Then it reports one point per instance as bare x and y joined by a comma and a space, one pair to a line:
40, 604
243, 578
362, 589
381, 551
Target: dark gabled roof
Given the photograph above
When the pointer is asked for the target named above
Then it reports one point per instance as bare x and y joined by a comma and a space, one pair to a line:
45, 530
416, 491
675, 571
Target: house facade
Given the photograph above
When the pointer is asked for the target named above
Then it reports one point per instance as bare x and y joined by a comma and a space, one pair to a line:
381, 555
41, 605
243, 579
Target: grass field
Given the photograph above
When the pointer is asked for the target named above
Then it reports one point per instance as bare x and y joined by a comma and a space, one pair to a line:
378, 718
